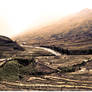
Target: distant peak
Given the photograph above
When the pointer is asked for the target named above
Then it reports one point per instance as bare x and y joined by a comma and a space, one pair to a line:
86, 10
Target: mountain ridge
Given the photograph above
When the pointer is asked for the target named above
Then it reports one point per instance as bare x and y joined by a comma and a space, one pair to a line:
74, 30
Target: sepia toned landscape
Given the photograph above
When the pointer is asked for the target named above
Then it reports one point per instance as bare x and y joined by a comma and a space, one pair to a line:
55, 56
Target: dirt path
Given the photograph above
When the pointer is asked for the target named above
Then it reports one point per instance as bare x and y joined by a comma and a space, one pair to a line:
3, 61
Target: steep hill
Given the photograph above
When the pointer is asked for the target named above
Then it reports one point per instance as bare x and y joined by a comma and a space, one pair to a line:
72, 32
8, 46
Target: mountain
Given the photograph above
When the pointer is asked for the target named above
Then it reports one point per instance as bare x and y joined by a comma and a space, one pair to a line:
71, 32
8, 46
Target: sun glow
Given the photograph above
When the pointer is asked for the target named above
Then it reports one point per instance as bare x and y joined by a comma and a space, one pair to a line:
19, 15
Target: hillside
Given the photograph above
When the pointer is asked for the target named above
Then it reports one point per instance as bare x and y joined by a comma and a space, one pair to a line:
8, 47
72, 32
56, 57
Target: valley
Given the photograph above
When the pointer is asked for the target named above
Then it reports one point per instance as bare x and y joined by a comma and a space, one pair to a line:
54, 57
46, 73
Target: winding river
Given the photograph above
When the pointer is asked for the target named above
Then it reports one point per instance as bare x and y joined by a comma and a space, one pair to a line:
46, 49
50, 50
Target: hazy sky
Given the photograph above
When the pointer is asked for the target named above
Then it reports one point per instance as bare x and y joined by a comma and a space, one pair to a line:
19, 15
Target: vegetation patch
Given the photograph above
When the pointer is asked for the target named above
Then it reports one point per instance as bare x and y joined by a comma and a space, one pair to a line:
9, 71
15, 70
72, 68
18, 69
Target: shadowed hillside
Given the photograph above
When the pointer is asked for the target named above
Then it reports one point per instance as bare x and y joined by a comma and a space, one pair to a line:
72, 32
8, 47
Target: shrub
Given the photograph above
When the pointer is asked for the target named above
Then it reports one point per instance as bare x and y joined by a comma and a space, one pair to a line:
15, 70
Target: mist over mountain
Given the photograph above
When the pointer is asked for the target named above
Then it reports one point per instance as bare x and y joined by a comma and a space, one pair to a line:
72, 32
55, 57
